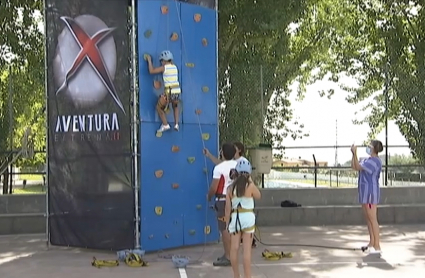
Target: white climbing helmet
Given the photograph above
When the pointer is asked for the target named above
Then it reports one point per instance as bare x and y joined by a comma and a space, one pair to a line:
244, 166
166, 55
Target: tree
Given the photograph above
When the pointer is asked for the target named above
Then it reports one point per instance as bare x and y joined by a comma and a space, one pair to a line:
374, 42
254, 34
21, 69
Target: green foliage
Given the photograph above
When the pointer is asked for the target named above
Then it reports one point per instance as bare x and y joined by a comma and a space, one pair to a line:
22, 74
376, 43
255, 34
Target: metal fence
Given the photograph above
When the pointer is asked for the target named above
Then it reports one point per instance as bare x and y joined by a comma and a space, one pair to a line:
306, 172
312, 172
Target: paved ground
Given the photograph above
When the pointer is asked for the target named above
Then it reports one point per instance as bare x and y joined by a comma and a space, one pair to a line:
403, 246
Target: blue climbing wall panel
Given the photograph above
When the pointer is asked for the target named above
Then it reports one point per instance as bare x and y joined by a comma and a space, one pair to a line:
175, 175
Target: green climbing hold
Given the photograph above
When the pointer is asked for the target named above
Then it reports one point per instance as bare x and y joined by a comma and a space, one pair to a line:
199, 207
205, 170
205, 136
148, 34
191, 159
205, 89
192, 232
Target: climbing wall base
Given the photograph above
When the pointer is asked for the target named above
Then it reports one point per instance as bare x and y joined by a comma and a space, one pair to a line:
174, 185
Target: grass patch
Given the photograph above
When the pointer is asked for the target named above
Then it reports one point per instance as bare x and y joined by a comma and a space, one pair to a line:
33, 189
31, 177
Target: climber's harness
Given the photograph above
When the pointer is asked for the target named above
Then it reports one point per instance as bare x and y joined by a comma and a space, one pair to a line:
238, 225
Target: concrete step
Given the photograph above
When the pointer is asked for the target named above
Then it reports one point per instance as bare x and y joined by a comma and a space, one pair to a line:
338, 215
23, 203
30, 223
272, 197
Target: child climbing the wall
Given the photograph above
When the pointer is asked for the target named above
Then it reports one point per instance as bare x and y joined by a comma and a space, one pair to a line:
170, 75
240, 216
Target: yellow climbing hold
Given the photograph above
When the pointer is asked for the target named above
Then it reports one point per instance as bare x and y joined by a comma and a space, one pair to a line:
190, 65
205, 136
197, 17
164, 9
159, 173
158, 134
191, 159
146, 56
158, 210
175, 149
207, 230
174, 36
205, 89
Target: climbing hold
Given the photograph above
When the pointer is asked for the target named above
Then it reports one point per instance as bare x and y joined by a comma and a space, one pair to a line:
207, 230
147, 34
205, 170
199, 207
198, 111
175, 149
151, 237
204, 42
190, 65
159, 173
175, 185
157, 84
164, 9
176, 222
205, 89
197, 17
146, 56
158, 210
191, 160
167, 236
205, 136
174, 36
158, 134
192, 232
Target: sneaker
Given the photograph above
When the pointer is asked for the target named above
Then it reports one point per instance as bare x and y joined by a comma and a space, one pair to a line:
222, 262
373, 251
163, 128
176, 127
222, 257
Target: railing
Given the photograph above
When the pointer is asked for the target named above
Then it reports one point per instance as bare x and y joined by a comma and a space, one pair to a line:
294, 177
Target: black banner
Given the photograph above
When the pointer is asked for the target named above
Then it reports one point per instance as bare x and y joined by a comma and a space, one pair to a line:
91, 201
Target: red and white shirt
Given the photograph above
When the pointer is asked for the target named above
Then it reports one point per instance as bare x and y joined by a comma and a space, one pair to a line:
222, 173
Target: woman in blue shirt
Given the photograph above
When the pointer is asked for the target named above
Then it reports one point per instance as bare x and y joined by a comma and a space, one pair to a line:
368, 188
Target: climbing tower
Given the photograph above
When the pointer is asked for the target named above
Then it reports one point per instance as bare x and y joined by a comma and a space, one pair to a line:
175, 175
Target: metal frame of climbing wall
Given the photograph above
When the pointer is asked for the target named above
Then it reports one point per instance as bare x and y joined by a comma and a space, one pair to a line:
174, 173
135, 121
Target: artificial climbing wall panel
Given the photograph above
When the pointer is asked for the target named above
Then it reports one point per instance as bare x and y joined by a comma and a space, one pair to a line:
175, 175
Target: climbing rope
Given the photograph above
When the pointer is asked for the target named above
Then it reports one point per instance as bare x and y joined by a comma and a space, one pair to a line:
131, 260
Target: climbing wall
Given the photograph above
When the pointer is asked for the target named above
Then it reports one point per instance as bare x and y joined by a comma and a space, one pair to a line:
174, 173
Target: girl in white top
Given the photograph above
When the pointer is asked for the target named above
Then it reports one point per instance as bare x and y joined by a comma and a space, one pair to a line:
240, 216
172, 91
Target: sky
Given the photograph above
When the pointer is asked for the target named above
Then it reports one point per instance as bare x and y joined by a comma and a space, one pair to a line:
319, 115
